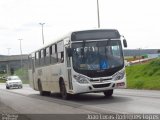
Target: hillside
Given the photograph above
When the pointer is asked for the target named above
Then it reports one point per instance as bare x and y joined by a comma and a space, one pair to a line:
144, 76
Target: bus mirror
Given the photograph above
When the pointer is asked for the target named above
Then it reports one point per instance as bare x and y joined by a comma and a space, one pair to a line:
69, 51
124, 43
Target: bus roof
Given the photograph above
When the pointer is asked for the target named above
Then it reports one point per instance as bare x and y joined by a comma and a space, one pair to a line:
95, 34
71, 33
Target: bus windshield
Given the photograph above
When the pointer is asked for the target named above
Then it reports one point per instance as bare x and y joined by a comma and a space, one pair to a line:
97, 55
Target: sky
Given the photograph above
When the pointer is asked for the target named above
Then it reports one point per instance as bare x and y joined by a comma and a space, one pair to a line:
137, 20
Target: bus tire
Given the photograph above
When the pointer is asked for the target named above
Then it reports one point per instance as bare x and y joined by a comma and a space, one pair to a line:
63, 90
40, 88
108, 93
42, 93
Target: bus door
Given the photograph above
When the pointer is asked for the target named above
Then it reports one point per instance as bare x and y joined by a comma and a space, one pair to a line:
68, 66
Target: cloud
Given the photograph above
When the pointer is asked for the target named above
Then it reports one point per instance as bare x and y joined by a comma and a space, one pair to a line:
3, 28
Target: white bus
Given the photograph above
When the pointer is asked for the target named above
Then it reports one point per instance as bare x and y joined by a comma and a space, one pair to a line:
81, 62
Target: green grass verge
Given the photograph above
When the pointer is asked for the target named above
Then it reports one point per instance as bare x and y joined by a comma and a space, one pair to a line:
144, 76
23, 74
2, 81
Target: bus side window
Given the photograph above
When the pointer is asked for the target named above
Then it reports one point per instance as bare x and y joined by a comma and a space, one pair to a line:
60, 51
53, 54
37, 59
42, 57
47, 56
61, 57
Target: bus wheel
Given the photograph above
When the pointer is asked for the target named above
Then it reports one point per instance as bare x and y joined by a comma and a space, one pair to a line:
63, 91
43, 93
108, 93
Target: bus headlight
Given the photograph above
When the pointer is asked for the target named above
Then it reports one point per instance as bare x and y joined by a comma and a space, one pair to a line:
81, 79
119, 75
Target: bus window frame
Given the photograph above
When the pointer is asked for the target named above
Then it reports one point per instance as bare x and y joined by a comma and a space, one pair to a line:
47, 55
53, 54
60, 51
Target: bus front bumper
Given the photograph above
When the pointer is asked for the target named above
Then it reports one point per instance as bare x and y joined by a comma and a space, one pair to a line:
97, 87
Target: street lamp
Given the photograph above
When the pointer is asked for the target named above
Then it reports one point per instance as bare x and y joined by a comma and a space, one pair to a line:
21, 51
98, 14
42, 32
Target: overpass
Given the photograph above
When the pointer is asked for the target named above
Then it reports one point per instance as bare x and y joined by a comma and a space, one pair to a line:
13, 62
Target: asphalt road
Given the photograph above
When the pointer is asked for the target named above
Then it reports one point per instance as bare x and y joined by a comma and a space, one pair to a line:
28, 101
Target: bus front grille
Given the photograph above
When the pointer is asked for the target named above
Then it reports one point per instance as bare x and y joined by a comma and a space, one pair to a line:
100, 80
101, 85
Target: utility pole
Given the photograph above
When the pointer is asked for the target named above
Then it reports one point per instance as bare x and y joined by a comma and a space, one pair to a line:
42, 32
98, 14
21, 51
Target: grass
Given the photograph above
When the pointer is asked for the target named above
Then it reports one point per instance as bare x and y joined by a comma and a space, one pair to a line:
144, 76
2, 81
23, 74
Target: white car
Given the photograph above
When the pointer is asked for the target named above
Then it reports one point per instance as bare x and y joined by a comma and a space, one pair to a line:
13, 82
